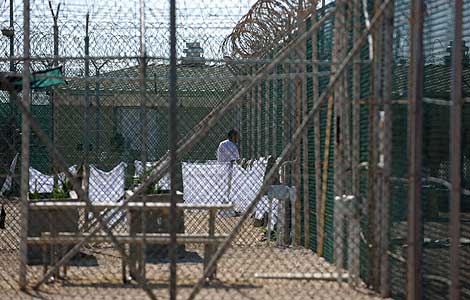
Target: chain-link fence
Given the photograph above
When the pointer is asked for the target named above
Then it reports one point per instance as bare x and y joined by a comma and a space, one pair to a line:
247, 149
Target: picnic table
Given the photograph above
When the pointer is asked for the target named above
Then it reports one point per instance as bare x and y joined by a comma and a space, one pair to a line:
136, 238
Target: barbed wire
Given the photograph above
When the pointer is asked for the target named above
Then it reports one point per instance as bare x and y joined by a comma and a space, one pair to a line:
266, 23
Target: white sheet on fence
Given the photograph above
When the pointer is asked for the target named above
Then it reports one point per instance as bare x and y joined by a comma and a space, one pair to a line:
208, 183
7, 184
205, 183
39, 182
106, 187
163, 183
43, 183
246, 183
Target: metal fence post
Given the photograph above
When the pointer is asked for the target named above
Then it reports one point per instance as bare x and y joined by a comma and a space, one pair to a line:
373, 182
456, 152
25, 132
415, 82
316, 127
387, 151
173, 147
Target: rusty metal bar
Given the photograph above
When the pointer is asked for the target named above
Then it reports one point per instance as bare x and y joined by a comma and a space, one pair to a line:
373, 182
316, 127
305, 140
353, 260
25, 139
356, 107
456, 152
387, 151
296, 174
415, 92
338, 113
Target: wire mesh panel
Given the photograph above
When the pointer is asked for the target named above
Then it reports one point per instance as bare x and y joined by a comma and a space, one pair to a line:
245, 149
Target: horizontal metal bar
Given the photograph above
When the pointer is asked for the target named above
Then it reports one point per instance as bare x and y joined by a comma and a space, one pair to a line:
48, 239
165, 59
303, 276
132, 205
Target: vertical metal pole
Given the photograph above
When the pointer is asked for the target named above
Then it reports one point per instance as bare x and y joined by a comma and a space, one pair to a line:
354, 226
297, 165
12, 69
25, 132
305, 148
259, 107
87, 95
373, 194
55, 106
267, 112
455, 152
414, 288
387, 150
98, 111
12, 38
316, 125
356, 108
173, 140
285, 107
338, 108
275, 108
252, 104
143, 87
144, 129
347, 103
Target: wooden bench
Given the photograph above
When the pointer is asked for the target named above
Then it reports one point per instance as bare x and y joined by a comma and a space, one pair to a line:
210, 240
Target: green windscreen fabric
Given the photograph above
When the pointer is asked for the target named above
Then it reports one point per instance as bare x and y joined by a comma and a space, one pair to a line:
43, 79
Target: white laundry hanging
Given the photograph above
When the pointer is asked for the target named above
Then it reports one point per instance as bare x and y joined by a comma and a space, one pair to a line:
246, 184
42, 183
164, 183
206, 183
39, 182
7, 185
109, 186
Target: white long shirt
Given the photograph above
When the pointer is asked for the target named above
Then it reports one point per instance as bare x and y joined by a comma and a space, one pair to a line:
227, 151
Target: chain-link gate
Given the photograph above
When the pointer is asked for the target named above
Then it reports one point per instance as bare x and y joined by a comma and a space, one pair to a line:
233, 149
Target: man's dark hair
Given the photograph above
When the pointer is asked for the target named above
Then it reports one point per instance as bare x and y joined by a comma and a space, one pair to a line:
232, 133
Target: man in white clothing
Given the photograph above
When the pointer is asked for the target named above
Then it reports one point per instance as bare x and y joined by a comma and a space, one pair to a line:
228, 149
228, 152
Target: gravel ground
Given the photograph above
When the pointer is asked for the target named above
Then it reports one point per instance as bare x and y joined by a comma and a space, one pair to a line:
235, 279
97, 275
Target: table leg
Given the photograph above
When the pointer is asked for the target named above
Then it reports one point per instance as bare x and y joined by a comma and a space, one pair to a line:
209, 249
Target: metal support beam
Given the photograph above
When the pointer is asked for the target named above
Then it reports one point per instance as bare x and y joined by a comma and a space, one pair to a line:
415, 92
456, 152
173, 129
25, 136
387, 151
